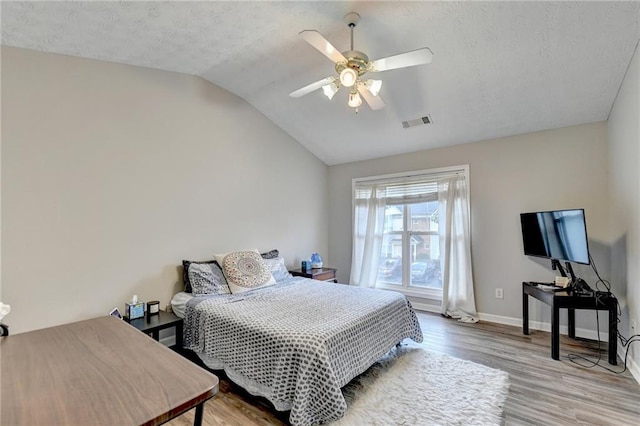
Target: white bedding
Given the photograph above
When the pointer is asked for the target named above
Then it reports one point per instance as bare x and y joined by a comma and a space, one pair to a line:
179, 303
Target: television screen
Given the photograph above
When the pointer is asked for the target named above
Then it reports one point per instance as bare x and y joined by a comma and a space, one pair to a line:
560, 234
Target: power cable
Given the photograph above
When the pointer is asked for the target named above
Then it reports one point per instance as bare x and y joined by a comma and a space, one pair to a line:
626, 343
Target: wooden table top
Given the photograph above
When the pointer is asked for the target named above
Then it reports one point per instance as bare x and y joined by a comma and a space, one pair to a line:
99, 371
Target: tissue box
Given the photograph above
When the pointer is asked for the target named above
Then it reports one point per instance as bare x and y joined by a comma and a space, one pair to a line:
134, 310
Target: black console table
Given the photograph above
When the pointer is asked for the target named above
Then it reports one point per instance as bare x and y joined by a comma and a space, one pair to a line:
571, 301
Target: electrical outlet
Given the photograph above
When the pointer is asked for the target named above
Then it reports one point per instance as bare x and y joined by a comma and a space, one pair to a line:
499, 294
633, 327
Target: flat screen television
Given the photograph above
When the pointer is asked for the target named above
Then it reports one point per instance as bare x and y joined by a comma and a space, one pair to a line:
558, 234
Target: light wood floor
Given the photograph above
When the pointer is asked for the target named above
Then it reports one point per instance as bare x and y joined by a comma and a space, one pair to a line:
542, 391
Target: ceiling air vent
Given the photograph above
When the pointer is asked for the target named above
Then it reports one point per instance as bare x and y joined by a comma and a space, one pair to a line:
417, 122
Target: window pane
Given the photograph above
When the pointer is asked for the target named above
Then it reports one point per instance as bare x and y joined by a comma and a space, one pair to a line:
425, 261
424, 216
393, 218
390, 267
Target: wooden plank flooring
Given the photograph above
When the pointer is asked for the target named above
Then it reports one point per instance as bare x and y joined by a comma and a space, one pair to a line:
542, 391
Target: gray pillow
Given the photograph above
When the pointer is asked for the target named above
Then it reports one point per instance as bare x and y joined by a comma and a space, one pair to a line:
271, 254
278, 268
206, 279
185, 272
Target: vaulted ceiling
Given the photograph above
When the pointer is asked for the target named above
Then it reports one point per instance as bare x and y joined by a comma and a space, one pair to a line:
499, 68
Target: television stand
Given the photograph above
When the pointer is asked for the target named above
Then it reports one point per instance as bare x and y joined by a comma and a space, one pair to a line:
571, 301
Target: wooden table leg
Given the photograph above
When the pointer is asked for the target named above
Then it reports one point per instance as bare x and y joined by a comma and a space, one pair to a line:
555, 332
572, 322
525, 312
613, 335
197, 420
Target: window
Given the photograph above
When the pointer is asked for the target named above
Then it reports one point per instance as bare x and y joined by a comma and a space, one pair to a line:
411, 232
410, 256
407, 239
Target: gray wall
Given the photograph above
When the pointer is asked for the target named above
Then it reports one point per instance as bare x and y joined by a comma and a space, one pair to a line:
555, 169
624, 153
112, 174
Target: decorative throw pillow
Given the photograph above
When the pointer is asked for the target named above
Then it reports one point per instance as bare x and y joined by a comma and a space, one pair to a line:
185, 272
185, 267
207, 278
245, 270
271, 254
278, 268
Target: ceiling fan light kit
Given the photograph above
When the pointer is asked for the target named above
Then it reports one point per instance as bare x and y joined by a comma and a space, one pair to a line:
354, 99
352, 64
348, 77
373, 86
330, 90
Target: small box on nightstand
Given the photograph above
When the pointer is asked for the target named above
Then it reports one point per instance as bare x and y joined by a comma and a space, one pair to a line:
134, 310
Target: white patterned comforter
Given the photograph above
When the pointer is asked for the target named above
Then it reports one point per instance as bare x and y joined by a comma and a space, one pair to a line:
298, 342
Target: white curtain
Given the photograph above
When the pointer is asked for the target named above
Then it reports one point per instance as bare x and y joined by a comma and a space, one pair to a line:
368, 227
455, 250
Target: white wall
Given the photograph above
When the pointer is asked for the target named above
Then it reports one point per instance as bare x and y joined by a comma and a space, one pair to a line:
112, 174
624, 154
555, 169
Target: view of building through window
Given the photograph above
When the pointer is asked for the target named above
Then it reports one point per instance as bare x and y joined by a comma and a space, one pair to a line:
410, 250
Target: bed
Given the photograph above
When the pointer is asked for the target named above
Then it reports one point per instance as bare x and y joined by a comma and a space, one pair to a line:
298, 342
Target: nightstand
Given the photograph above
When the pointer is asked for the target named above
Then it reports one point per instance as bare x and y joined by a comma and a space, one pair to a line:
159, 322
320, 274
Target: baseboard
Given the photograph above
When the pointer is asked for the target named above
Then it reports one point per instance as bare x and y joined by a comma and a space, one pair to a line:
633, 367
545, 326
516, 322
426, 307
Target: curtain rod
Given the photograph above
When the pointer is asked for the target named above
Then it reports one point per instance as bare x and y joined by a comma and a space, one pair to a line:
401, 177
461, 168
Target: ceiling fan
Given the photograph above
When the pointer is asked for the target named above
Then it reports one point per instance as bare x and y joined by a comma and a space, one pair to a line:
353, 64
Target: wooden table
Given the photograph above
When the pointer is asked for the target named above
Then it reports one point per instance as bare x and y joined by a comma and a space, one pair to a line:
571, 301
99, 371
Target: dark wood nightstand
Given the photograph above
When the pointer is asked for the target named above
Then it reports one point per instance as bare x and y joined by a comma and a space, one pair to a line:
155, 323
321, 274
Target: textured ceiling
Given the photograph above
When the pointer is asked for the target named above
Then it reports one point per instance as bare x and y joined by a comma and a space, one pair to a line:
499, 68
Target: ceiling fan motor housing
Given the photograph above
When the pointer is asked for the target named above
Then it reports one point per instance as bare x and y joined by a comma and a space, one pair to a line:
356, 60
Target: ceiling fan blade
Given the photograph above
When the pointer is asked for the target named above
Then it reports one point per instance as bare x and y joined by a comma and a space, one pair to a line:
375, 102
403, 60
318, 41
313, 86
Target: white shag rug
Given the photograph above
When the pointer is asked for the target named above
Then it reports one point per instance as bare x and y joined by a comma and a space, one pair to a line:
413, 386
